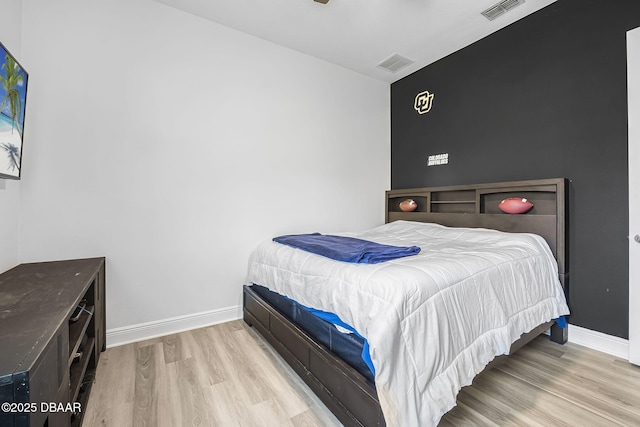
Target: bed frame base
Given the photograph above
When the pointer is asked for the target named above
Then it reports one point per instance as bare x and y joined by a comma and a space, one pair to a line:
559, 335
330, 378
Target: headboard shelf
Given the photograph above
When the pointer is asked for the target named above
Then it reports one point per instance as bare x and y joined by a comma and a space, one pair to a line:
435, 202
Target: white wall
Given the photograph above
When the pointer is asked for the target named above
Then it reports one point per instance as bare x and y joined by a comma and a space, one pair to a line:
10, 35
173, 146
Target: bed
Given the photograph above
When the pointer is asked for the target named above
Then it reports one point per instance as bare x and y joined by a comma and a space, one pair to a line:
350, 395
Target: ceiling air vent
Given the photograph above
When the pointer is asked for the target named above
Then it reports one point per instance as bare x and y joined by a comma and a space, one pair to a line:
394, 63
499, 8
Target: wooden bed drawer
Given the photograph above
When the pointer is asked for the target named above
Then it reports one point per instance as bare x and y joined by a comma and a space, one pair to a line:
362, 405
336, 383
273, 323
257, 310
291, 340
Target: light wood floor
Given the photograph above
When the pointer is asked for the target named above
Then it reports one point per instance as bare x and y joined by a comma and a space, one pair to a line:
226, 375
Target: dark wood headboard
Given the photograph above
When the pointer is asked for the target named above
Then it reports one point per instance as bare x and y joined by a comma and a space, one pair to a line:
476, 205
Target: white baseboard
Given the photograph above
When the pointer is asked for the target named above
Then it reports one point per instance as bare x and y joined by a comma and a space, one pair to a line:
609, 344
143, 331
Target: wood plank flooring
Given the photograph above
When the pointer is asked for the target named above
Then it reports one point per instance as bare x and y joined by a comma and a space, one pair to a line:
227, 375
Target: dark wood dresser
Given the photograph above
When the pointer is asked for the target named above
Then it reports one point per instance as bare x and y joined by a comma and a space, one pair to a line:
52, 330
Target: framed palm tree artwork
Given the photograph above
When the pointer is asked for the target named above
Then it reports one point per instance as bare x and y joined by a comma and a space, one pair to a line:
13, 99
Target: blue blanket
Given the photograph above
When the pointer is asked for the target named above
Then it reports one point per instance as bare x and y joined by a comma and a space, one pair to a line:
347, 249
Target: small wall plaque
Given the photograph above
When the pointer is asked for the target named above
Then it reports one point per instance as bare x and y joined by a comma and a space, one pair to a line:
423, 102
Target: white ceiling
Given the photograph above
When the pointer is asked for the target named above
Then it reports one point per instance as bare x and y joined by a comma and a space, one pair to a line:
359, 34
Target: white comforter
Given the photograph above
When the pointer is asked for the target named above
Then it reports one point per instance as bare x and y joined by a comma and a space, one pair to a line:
433, 321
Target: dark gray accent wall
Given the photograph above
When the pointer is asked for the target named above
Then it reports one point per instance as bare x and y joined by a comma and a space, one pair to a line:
544, 97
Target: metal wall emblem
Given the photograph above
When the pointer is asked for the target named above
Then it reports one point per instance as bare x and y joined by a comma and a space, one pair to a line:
423, 102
